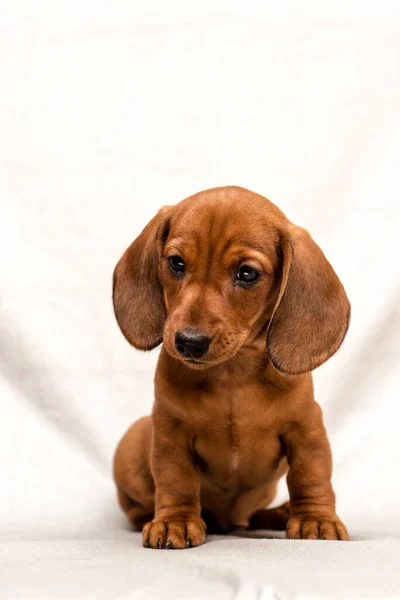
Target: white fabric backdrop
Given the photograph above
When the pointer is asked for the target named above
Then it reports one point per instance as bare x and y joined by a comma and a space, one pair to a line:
107, 112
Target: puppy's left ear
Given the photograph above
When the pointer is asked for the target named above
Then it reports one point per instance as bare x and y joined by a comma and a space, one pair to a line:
137, 293
312, 313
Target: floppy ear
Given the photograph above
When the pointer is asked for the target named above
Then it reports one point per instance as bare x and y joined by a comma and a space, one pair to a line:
312, 313
137, 293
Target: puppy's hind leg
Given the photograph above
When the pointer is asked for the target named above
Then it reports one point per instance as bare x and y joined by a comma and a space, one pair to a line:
132, 474
270, 518
136, 513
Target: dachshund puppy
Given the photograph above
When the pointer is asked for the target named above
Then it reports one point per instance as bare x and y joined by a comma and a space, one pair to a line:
246, 305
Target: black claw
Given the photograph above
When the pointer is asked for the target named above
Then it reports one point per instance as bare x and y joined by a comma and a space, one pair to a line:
169, 545
147, 544
159, 545
189, 543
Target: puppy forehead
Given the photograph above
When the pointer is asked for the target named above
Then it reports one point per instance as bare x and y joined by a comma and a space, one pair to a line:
226, 222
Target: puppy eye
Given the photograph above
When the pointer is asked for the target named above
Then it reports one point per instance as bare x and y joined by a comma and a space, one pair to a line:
176, 264
247, 274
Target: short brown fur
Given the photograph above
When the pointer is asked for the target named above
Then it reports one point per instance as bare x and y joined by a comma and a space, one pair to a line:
223, 431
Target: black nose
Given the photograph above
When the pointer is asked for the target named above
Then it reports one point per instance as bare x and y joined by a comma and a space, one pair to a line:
191, 344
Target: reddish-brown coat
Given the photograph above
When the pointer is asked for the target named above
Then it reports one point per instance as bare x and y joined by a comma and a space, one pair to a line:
223, 432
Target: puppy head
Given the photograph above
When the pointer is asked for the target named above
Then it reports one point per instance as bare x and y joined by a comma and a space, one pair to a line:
206, 276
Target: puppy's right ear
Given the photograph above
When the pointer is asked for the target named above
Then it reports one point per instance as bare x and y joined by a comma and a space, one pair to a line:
312, 313
137, 293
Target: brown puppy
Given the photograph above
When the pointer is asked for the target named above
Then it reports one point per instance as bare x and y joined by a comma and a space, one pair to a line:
246, 305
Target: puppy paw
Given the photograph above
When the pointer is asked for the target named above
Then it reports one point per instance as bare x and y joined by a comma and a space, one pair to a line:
174, 534
310, 528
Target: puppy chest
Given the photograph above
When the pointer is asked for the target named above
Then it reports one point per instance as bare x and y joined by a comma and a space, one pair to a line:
235, 452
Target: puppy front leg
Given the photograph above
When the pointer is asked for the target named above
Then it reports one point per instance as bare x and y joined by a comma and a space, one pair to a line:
177, 522
312, 500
